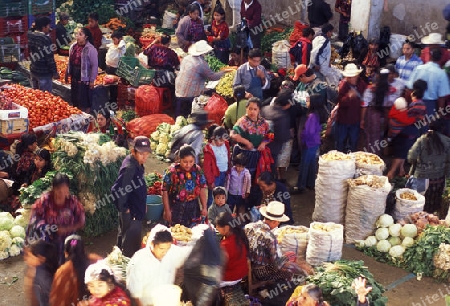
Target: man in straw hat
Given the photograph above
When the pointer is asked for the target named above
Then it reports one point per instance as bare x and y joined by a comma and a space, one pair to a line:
433, 41
267, 262
190, 82
350, 116
191, 134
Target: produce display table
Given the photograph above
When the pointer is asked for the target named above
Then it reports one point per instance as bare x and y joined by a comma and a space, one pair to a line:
100, 93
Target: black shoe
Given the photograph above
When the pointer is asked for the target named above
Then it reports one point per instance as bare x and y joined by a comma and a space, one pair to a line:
296, 190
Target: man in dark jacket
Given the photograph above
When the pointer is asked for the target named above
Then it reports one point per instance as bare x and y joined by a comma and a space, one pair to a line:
43, 66
129, 193
251, 11
279, 120
319, 13
302, 48
62, 37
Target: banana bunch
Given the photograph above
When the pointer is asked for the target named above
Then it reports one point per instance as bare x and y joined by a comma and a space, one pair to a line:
225, 86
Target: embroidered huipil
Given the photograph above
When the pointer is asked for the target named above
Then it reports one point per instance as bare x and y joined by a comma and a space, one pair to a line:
183, 186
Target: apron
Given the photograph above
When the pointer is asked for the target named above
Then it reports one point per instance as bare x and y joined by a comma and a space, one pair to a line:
255, 87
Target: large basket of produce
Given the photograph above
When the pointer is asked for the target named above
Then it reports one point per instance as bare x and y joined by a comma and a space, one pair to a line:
335, 168
293, 239
408, 201
368, 163
366, 201
325, 243
131, 70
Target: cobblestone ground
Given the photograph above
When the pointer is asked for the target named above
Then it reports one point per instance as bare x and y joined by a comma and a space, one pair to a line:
403, 287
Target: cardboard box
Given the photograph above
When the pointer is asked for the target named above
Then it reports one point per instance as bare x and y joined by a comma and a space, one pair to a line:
13, 126
15, 113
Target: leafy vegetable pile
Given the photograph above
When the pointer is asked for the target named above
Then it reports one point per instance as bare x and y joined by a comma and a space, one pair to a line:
214, 63
154, 183
269, 39
335, 280
93, 161
160, 140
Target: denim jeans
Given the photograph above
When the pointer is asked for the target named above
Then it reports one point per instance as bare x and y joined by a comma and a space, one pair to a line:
42, 83
308, 165
219, 181
344, 131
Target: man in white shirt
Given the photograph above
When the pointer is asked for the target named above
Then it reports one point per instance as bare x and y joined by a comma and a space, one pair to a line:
155, 265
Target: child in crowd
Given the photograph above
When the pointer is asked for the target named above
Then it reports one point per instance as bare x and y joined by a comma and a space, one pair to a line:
216, 160
238, 184
219, 206
219, 36
317, 116
115, 51
97, 34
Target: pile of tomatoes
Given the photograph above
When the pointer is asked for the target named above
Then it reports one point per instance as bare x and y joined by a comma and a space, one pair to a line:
61, 66
43, 107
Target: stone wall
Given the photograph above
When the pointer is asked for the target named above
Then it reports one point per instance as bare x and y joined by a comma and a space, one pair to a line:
404, 16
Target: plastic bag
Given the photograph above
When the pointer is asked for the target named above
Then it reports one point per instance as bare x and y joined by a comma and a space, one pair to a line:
148, 100
420, 185
203, 271
280, 54
216, 107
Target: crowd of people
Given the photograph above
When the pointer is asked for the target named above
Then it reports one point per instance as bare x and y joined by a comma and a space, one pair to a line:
237, 177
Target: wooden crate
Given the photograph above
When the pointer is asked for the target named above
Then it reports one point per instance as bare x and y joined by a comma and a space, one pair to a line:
13, 126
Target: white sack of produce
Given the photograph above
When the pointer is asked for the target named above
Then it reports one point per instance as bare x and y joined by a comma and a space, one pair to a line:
366, 201
335, 168
325, 243
280, 54
168, 20
368, 163
407, 201
293, 239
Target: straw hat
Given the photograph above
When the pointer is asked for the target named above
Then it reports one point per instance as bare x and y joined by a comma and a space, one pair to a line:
433, 39
274, 211
351, 70
199, 48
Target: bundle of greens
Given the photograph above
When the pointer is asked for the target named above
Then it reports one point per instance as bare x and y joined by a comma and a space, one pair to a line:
269, 39
214, 63
29, 195
335, 280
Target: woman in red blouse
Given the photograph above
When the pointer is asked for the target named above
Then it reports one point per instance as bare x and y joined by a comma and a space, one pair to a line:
235, 245
219, 34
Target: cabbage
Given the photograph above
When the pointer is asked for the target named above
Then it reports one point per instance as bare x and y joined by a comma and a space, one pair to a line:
394, 230
383, 246
394, 240
385, 221
5, 241
3, 255
180, 121
407, 242
370, 241
6, 221
14, 250
19, 242
408, 230
17, 231
397, 250
359, 243
20, 220
382, 233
